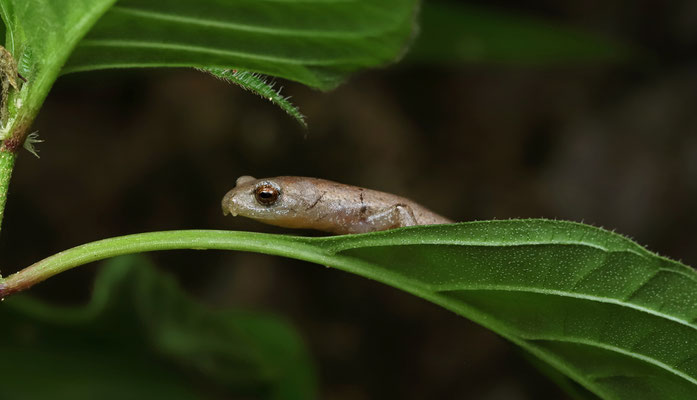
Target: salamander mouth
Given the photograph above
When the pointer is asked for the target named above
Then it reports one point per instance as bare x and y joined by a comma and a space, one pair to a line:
228, 205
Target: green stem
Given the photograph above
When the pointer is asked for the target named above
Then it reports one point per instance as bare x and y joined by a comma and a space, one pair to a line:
287, 246
7, 162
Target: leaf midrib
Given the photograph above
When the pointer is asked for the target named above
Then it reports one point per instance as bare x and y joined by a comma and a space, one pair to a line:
349, 245
236, 26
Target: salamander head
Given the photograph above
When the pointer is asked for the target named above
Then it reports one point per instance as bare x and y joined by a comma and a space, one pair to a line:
271, 200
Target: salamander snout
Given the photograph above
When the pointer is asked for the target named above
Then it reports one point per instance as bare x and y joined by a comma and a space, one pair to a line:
232, 205
228, 203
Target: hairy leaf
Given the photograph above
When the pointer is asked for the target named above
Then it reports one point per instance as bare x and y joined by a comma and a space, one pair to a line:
139, 338
596, 306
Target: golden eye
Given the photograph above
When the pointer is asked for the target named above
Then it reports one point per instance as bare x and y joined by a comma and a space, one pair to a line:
266, 194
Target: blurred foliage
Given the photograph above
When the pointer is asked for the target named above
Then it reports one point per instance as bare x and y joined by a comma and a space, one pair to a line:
318, 45
141, 337
459, 33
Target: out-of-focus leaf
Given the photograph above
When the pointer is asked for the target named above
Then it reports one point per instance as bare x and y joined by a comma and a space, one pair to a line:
142, 338
458, 33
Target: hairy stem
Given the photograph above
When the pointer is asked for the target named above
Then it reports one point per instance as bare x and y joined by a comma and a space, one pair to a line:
7, 162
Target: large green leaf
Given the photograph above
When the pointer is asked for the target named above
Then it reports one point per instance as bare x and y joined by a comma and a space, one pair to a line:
613, 316
595, 306
142, 338
598, 307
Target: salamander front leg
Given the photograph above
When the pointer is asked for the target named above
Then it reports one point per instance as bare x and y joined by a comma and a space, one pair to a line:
396, 216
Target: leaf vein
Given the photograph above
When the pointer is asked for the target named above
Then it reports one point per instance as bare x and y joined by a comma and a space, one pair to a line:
562, 293
200, 49
622, 351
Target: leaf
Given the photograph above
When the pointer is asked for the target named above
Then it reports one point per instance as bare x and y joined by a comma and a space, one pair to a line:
141, 337
257, 84
316, 42
597, 307
462, 33
614, 317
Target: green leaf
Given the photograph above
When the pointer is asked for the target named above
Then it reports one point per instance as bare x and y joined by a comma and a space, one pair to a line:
613, 316
461, 33
257, 84
317, 42
140, 338
595, 306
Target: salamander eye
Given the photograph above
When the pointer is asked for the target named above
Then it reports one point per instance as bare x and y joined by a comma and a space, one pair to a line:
266, 194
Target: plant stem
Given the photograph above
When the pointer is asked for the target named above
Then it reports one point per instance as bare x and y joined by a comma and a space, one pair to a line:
7, 162
287, 246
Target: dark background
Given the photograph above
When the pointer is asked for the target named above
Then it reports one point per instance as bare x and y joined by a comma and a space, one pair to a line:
609, 144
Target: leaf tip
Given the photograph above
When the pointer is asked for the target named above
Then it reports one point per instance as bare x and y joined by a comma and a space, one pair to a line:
261, 86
